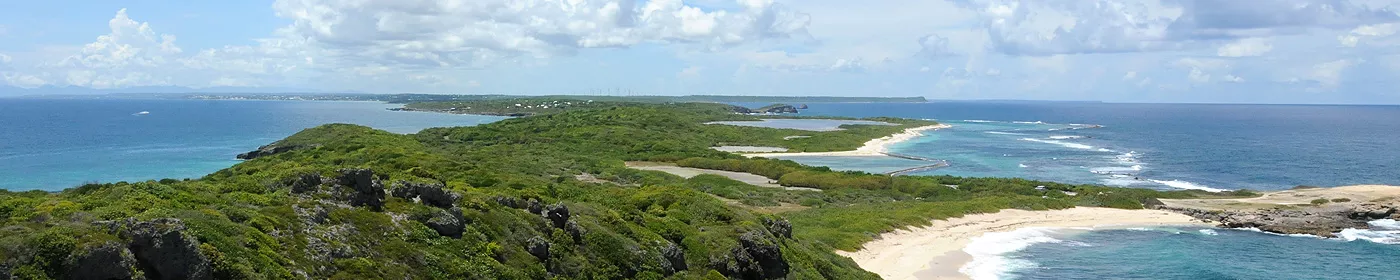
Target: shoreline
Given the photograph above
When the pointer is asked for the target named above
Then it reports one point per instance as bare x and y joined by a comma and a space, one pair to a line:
940, 250
874, 147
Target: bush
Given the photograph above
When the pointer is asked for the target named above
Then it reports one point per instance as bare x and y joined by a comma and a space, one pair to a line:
1319, 201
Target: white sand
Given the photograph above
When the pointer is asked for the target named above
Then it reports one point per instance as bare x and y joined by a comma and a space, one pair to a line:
687, 172
874, 147
935, 252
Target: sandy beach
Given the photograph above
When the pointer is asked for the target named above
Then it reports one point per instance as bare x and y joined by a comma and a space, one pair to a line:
937, 251
874, 147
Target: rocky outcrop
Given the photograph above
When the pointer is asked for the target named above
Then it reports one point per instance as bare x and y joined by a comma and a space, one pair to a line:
779, 227
675, 257
758, 256
448, 222
270, 149
435, 195
305, 183
778, 109
538, 247
557, 214
365, 189
1321, 220
164, 251
109, 260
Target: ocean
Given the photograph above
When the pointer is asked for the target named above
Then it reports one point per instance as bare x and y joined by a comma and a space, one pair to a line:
53, 144
1159, 146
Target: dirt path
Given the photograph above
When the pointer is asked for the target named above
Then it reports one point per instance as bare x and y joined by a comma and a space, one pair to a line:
688, 172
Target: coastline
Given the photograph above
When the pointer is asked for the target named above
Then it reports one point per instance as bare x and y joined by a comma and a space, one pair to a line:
940, 250
874, 147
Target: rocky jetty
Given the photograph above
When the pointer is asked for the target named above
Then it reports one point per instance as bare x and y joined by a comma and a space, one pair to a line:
1320, 220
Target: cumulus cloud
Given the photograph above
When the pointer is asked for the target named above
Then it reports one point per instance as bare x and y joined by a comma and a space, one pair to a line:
933, 46
1044, 27
1245, 47
1368, 31
454, 33
1204, 70
1329, 74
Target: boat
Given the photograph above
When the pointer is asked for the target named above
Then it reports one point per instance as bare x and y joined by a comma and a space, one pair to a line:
142, 113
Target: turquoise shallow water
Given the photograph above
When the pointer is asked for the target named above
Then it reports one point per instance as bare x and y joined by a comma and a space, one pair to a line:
1178, 253
56, 144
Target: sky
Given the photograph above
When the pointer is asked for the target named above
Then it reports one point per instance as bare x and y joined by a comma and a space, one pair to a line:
1214, 51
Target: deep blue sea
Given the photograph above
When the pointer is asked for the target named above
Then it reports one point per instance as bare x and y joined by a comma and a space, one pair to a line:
1160, 146
57, 144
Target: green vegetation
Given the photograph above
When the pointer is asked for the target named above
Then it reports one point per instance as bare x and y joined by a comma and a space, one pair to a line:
504, 201
1319, 201
1341, 200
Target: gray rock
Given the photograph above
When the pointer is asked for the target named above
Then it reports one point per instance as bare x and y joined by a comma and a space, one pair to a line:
366, 190
110, 260
164, 251
538, 247
306, 183
779, 227
448, 223
558, 214
435, 195
534, 206
758, 256
1323, 220
675, 257
575, 231
271, 149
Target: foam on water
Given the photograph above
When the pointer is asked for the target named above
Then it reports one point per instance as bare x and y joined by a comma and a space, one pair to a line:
1064, 137
1385, 231
1025, 122
1209, 232
1187, 185
1004, 133
979, 121
989, 260
1061, 143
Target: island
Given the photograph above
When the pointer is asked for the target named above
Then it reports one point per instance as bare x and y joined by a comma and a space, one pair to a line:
570, 189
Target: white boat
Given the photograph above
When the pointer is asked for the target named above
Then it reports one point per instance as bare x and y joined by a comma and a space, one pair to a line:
142, 113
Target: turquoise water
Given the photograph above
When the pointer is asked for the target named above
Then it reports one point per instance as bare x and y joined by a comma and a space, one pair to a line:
802, 124
57, 144
1177, 253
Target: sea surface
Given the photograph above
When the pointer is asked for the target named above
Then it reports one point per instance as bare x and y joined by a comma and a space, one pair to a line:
53, 144
1158, 146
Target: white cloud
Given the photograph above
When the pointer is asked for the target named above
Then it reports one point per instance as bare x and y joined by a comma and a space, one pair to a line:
1203, 70
1245, 47
1233, 79
689, 72
4, 59
1130, 75
1329, 74
456, 33
1368, 31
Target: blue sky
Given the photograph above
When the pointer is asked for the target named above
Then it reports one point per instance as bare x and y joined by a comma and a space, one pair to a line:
1257, 51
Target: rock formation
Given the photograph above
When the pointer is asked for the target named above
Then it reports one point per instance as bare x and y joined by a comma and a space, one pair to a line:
1320, 220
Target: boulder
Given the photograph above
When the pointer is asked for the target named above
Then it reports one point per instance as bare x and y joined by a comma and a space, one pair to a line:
538, 247
557, 214
779, 227
448, 223
109, 260
435, 195
534, 206
164, 251
509, 202
575, 231
366, 190
675, 257
758, 256
305, 183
